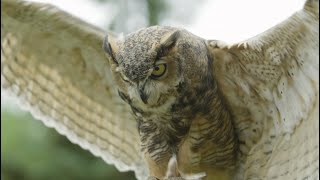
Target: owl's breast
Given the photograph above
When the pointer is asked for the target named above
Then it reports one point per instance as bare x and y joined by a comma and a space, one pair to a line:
207, 149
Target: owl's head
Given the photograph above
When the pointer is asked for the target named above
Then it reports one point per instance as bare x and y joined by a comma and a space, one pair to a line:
158, 69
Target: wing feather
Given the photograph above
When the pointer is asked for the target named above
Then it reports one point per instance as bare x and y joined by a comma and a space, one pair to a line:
271, 82
53, 63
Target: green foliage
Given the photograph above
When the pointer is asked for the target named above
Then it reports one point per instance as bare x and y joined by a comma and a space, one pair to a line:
29, 150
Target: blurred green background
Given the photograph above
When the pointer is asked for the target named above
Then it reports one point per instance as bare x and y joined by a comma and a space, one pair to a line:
31, 151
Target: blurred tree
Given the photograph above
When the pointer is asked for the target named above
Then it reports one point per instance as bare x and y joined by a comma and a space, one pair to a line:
155, 10
135, 14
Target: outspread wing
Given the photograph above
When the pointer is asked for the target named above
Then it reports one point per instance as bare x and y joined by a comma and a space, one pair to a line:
53, 63
271, 82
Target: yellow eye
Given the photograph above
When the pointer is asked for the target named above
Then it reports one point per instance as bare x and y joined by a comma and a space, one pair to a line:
159, 70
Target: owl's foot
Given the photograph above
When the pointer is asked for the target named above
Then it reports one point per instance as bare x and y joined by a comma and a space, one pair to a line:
174, 174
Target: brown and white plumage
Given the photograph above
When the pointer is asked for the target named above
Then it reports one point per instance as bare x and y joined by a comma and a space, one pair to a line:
272, 84
268, 86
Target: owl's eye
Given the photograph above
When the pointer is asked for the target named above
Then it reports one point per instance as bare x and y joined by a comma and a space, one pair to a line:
159, 70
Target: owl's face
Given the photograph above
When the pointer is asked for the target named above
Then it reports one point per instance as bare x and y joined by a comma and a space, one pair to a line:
157, 68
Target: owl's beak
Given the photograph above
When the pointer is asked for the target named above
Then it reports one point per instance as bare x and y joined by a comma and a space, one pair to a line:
144, 97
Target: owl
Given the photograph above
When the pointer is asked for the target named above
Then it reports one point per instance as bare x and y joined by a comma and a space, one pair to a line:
166, 103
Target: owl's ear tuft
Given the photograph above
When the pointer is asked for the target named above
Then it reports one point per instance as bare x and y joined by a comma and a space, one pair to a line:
111, 47
170, 39
167, 42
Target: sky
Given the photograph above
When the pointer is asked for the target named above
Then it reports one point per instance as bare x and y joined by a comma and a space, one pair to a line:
236, 20
228, 20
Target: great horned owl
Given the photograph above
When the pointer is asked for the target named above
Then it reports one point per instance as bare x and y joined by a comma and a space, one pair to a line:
166, 76
166, 103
